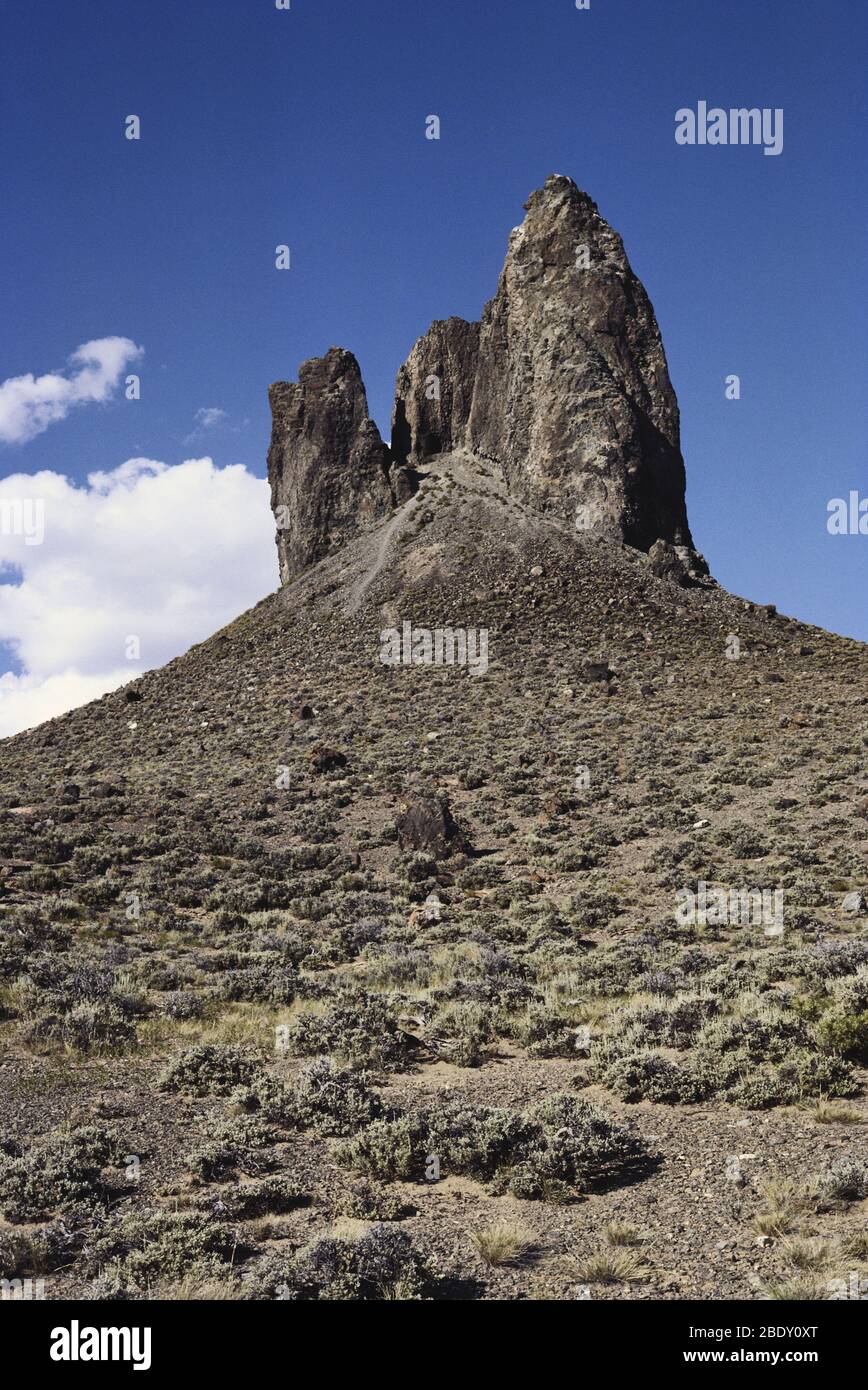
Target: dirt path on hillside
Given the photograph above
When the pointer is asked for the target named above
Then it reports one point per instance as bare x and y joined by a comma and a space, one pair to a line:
383, 546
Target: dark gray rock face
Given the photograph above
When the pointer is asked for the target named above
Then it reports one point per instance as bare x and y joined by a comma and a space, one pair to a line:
328, 468
434, 391
426, 823
563, 386
677, 563
567, 381
572, 395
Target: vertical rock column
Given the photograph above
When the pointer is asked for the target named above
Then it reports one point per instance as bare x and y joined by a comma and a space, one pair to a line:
328, 468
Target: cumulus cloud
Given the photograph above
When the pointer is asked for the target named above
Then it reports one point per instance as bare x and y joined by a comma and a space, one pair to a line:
29, 404
27, 700
164, 555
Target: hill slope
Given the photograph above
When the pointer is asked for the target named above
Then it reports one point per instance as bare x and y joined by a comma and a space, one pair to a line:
481, 915
250, 796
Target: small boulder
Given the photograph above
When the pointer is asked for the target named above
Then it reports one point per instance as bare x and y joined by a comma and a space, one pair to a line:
426, 823
855, 903
591, 671
432, 909
103, 790
666, 563
323, 759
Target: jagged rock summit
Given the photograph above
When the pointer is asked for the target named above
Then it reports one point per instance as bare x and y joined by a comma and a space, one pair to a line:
562, 388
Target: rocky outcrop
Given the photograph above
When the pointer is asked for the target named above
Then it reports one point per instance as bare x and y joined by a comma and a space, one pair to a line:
566, 378
328, 468
677, 563
426, 823
572, 395
563, 386
434, 391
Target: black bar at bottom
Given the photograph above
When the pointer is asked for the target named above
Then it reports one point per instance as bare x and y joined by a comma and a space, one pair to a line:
147, 1338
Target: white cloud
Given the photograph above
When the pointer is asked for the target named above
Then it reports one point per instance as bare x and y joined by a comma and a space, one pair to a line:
29, 404
164, 554
209, 415
27, 700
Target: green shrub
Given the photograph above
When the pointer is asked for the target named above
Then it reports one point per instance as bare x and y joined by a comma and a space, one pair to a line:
382, 1264
845, 1181
365, 1202
235, 1143
649, 1076
845, 1034
330, 1100
268, 980
546, 1032
357, 1027
57, 1170
563, 1146
465, 1026
148, 1248
271, 1196
211, 1069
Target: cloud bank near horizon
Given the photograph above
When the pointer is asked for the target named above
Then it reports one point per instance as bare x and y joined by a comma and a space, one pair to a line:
162, 554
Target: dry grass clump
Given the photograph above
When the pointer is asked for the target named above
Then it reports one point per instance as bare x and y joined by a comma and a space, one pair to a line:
621, 1233
835, 1112
802, 1288
506, 1242
613, 1266
806, 1255
785, 1200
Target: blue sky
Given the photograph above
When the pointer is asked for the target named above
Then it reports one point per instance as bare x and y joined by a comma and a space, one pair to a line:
307, 127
